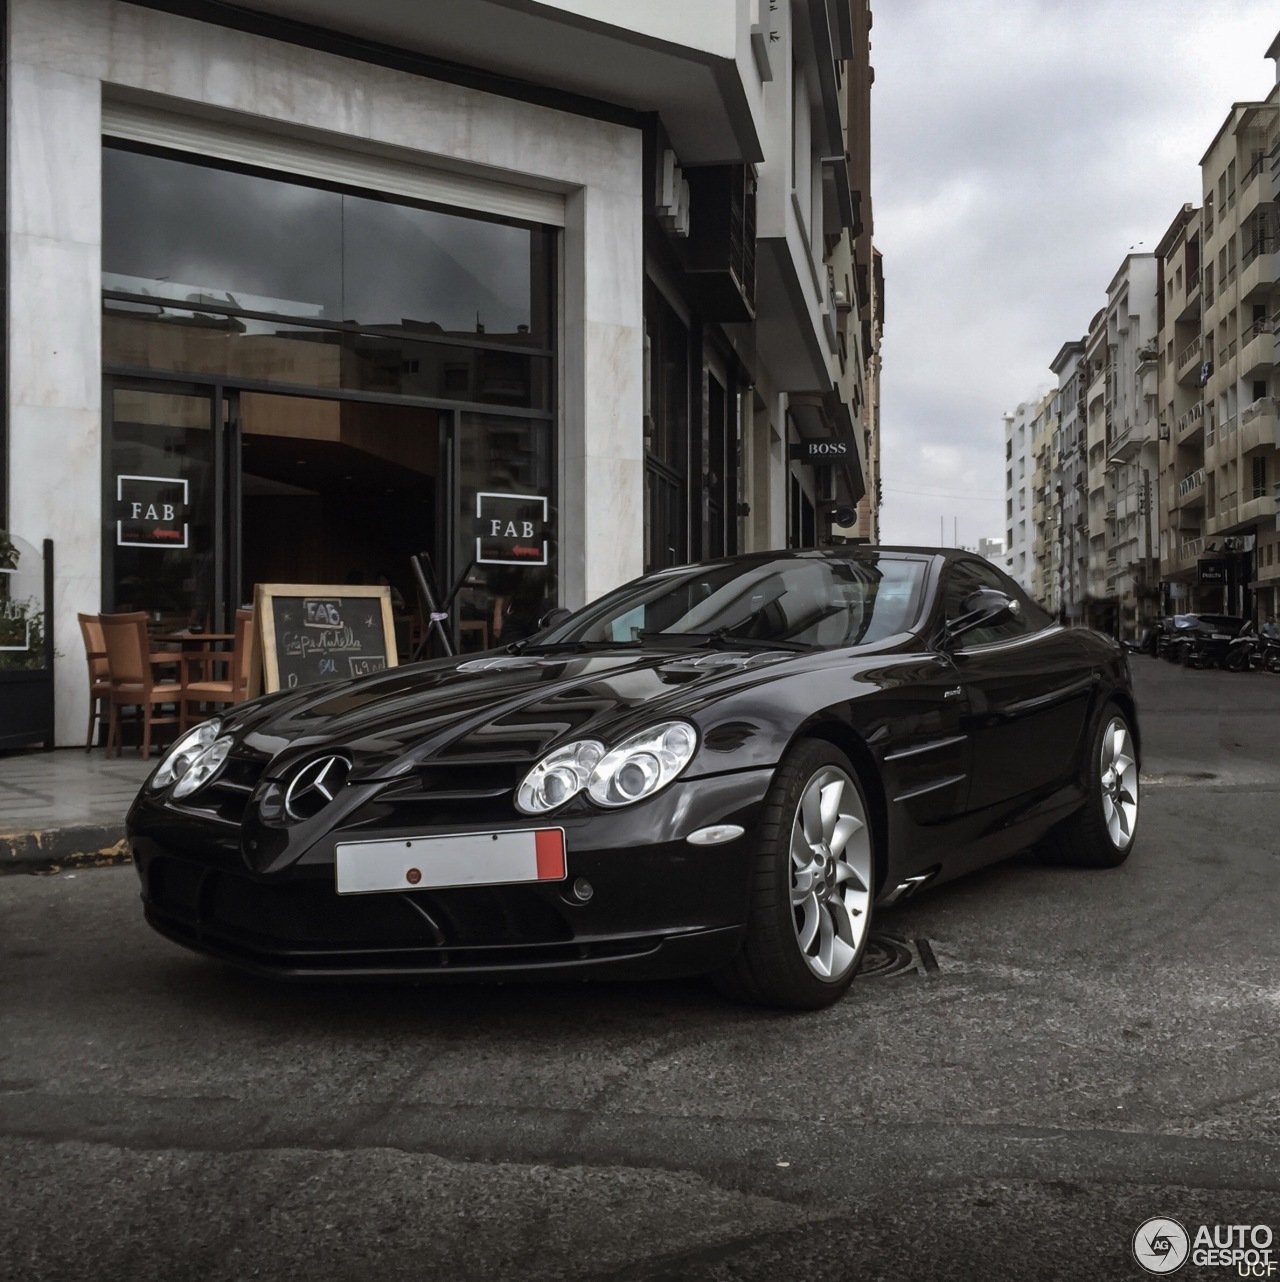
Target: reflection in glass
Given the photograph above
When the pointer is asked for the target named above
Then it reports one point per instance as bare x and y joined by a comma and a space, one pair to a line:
825, 602
204, 234
138, 336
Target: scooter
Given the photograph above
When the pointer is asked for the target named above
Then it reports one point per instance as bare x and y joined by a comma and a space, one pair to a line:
1248, 650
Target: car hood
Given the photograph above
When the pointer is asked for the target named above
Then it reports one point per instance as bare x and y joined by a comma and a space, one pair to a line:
494, 707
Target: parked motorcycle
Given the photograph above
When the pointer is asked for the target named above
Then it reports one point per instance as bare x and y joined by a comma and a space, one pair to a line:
1247, 650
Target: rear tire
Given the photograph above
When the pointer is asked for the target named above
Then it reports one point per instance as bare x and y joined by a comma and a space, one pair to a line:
1273, 660
812, 883
1102, 832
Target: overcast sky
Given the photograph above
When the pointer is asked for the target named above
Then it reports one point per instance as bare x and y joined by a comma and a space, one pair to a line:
1020, 148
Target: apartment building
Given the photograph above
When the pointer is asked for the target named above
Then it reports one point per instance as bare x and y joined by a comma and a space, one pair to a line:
1238, 567
1044, 430
1174, 397
320, 276
1069, 481
1130, 394
1019, 462
1182, 373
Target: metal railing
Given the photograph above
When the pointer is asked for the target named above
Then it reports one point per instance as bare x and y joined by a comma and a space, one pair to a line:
1265, 405
1192, 482
1191, 352
1189, 548
1193, 415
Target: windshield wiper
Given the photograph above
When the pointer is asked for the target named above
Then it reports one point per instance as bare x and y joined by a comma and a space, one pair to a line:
720, 639
530, 645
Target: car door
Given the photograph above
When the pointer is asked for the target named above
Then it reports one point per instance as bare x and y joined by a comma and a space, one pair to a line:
1027, 683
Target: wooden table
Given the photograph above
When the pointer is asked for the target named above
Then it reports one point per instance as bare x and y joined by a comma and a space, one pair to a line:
197, 647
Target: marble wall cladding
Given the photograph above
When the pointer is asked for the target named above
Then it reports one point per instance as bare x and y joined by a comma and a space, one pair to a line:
54, 324
613, 539
53, 122
65, 57
56, 493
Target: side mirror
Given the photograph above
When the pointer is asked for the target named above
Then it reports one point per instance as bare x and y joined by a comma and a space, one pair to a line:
983, 608
552, 617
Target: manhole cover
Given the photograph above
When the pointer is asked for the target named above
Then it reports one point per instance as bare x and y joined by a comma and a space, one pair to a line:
887, 955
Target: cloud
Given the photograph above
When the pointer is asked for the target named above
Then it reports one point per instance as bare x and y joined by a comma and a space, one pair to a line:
1019, 149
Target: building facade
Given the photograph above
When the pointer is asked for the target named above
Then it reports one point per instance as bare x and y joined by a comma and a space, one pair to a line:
1174, 397
1070, 484
322, 284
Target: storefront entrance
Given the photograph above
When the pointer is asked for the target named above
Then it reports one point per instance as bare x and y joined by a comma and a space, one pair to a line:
309, 383
211, 489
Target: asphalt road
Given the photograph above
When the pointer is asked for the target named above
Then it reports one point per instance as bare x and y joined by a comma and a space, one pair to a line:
1047, 1059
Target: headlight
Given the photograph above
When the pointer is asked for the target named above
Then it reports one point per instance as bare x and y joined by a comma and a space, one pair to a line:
203, 768
639, 766
558, 776
177, 761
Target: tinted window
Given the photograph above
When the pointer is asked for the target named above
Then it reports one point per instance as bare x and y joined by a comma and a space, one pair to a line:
821, 602
195, 232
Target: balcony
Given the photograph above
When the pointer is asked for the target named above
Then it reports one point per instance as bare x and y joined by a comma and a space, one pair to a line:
1258, 508
1260, 425
1191, 490
1224, 515
1189, 549
1218, 438
1258, 353
1187, 366
1260, 268
1190, 426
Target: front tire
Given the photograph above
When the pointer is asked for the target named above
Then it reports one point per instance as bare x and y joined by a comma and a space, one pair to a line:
809, 914
1102, 832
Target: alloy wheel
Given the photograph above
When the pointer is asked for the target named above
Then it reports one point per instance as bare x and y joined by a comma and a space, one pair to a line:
1119, 771
830, 873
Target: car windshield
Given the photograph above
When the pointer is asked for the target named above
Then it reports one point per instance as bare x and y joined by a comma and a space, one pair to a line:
793, 601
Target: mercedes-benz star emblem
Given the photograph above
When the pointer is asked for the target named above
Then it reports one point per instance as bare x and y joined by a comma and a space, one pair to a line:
315, 786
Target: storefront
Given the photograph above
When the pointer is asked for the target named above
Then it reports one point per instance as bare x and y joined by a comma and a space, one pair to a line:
311, 384
289, 314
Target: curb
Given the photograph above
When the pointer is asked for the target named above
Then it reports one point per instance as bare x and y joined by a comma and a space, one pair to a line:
84, 846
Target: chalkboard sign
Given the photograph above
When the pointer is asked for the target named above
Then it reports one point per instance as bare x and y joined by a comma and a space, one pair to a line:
313, 632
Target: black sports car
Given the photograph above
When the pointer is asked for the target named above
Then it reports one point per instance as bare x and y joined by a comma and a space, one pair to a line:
722, 768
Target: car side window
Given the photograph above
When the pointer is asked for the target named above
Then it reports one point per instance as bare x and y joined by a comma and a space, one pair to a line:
965, 577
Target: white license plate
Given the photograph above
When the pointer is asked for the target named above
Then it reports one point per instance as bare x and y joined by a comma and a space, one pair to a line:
462, 859
1221, 636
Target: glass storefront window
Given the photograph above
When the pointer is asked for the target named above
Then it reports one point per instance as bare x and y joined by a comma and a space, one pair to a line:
196, 232
158, 538
138, 336
507, 513
311, 310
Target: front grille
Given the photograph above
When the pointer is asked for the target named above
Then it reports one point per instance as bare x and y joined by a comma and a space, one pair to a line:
310, 915
462, 782
226, 797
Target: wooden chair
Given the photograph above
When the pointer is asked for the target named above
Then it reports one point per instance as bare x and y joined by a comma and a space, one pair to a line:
231, 689
131, 666
95, 653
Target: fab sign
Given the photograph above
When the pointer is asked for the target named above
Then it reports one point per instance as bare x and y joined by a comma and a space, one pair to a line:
152, 511
511, 529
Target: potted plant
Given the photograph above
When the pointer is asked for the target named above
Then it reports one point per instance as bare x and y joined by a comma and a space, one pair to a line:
26, 643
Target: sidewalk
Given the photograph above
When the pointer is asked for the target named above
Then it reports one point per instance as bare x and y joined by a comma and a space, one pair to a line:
66, 807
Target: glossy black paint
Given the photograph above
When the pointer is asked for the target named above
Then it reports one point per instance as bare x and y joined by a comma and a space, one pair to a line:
969, 750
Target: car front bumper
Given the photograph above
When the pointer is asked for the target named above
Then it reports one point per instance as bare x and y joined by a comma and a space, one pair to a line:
657, 905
